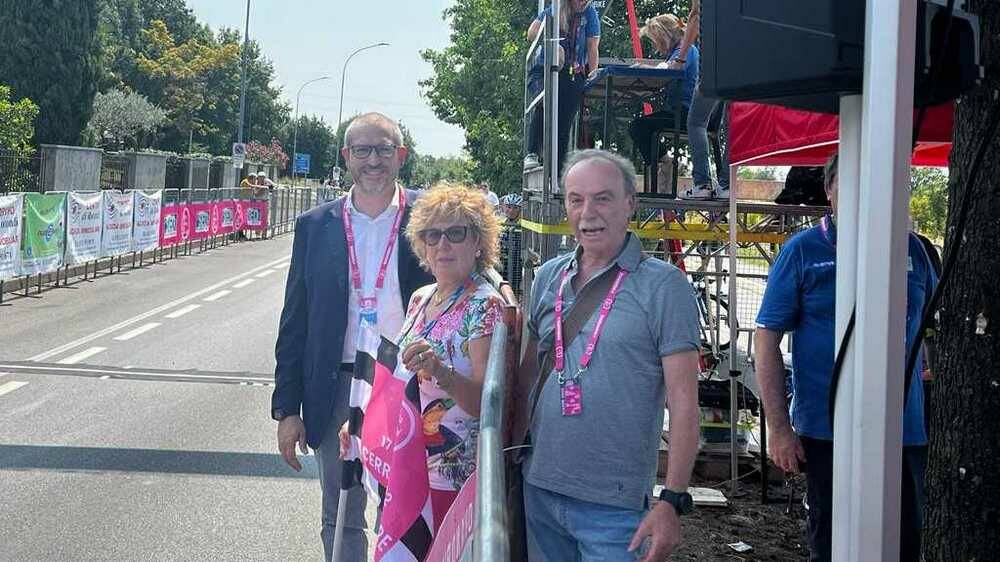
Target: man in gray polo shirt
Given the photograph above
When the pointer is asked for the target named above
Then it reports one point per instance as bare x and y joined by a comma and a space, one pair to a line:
596, 430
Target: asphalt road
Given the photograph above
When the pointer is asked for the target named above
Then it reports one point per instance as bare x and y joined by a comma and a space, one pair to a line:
134, 417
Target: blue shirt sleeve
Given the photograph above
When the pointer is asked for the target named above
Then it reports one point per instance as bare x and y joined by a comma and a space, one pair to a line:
780, 308
593, 22
543, 13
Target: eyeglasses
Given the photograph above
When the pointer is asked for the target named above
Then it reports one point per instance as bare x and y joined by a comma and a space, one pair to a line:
365, 150
455, 235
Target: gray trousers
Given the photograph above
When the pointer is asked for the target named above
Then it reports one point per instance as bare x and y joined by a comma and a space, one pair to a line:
355, 547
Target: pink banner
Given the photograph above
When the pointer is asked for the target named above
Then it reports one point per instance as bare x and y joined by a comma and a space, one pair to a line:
170, 232
456, 529
215, 227
227, 223
200, 220
239, 218
254, 215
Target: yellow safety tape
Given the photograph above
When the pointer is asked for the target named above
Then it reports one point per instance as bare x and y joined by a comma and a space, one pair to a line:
690, 231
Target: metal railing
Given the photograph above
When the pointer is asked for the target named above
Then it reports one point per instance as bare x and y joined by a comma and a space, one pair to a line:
114, 172
490, 542
20, 171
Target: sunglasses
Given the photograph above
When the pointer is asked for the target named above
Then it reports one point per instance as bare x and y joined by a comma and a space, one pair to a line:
455, 235
365, 150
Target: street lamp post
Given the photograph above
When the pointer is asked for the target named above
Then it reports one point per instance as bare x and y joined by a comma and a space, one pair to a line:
243, 75
340, 112
295, 126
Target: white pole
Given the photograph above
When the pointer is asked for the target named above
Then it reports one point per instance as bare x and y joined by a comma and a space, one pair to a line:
343, 78
338, 529
295, 124
881, 279
848, 181
554, 135
734, 333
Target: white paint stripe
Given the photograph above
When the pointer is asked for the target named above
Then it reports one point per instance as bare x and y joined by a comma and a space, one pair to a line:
76, 358
266, 272
216, 296
138, 331
182, 311
111, 372
100, 334
11, 386
243, 283
282, 265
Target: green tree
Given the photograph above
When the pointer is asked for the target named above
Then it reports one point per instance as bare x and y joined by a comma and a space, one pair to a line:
758, 173
124, 119
429, 170
315, 138
16, 123
929, 202
50, 53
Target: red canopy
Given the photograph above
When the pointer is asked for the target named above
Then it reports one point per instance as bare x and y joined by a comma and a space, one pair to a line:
762, 135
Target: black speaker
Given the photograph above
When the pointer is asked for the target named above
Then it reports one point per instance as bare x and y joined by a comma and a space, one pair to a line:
806, 54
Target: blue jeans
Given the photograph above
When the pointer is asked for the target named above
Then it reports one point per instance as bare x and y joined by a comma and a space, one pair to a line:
561, 528
697, 125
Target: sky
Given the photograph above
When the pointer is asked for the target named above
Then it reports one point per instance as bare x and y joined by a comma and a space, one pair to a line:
307, 39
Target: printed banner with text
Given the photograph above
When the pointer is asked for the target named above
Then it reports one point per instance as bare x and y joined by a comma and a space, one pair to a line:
254, 215
83, 227
200, 221
146, 234
44, 232
116, 238
169, 227
10, 235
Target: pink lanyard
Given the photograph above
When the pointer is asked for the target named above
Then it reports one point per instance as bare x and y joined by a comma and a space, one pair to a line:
352, 254
609, 301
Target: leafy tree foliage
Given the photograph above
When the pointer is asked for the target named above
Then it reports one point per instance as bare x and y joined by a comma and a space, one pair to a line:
16, 122
929, 202
429, 170
50, 53
122, 118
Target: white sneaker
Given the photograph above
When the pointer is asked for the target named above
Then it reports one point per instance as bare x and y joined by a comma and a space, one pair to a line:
698, 192
531, 161
721, 193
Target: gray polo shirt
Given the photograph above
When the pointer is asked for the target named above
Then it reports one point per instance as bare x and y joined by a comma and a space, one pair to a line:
608, 453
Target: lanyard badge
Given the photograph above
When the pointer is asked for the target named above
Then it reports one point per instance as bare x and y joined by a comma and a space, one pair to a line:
570, 391
368, 306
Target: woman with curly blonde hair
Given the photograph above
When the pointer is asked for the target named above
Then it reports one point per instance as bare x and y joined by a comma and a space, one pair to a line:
454, 232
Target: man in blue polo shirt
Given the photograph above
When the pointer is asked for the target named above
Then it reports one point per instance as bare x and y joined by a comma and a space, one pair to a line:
799, 299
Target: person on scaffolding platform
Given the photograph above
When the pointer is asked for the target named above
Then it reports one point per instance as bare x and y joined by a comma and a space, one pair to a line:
666, 33
699, 114
799, 298
579, 37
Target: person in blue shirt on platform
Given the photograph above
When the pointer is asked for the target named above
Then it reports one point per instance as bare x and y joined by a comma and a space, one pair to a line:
799, 298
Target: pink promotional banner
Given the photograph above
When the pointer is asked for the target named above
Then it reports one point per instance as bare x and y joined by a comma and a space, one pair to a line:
228, 212
216, 221
200, 220
170, 232
456, 529
254, 215
239, 220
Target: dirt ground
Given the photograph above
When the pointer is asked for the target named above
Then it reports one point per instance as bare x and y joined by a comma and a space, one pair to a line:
774, 531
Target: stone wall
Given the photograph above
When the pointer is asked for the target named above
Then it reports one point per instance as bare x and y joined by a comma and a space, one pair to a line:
147, 170
71, 167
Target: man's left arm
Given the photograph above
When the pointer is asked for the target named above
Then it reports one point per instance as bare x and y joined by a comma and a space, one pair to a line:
593, 42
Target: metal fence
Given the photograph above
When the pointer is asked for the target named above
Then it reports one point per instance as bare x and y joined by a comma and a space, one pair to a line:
114, 171
20, 171
176, 173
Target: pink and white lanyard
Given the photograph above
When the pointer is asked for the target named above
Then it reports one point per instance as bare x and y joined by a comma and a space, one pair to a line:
588, 353
352, 254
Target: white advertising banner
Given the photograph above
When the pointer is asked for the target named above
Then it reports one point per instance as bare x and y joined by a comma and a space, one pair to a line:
10, 235
146, 234
116, 238
83, 230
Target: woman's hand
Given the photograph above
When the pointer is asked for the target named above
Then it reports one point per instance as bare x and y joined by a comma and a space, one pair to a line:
345, 441
420, 358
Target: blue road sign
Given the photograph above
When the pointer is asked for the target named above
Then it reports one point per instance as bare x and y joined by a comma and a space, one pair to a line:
301, 163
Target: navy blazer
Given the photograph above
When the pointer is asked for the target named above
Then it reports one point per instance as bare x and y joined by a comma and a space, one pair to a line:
314, 318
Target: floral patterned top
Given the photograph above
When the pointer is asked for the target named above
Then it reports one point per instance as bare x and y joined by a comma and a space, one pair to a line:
450, 433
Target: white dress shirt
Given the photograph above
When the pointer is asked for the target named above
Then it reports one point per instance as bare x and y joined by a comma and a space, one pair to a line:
370, 237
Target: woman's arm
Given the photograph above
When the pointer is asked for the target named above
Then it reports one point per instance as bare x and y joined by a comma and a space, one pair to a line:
467, 388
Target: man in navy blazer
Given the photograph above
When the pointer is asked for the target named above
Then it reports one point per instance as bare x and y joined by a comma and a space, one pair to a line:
330, 290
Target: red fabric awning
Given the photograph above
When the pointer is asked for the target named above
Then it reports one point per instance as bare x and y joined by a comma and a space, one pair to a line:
770, 135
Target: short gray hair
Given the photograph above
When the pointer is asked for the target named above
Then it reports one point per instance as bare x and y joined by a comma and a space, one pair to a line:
619, 162
378, 120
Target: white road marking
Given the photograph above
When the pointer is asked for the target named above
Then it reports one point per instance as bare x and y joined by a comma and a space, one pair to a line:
160, 309
243, 283
138, 331
76, 358
105, 377
266, 272
11, 386
110, 372
282, 265
216, 296
182, 311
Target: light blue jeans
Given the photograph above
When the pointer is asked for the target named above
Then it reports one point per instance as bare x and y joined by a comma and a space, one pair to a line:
697, 125
561, 528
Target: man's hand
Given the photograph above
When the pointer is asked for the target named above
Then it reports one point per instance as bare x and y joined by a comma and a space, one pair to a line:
785, 448
663, 527
292, 431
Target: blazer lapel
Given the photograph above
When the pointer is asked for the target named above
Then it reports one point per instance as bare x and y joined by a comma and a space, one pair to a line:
337, 243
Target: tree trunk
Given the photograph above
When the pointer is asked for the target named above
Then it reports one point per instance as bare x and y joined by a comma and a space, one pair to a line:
962, 520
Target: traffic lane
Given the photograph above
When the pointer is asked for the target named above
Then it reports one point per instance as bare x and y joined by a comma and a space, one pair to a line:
31, 326
172, 470
232, 330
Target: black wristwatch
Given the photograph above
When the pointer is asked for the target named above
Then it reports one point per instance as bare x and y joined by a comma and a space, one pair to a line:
682, 501
279, 414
